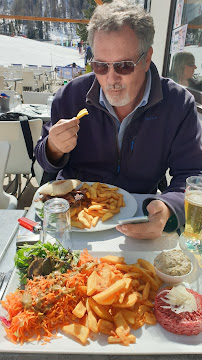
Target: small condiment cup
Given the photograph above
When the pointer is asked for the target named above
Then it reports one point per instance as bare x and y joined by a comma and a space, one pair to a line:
173, 266
57, 222
173, 279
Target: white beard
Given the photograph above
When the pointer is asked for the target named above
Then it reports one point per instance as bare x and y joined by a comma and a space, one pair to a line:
117, 99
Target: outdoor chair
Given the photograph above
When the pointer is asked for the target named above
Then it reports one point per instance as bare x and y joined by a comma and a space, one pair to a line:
19, 162
48, 74
7, 201
31, 97
7, 84
19, 87
3, 68
48, 81
3, 83
29, 81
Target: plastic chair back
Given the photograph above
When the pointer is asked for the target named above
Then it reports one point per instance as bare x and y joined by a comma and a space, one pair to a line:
31, 97
7, 201
19, 161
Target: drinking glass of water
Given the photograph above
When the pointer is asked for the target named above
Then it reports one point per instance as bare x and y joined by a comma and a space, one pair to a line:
49, 104
17, 102
57, 222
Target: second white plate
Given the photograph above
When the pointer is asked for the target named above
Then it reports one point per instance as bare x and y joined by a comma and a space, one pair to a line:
125, 212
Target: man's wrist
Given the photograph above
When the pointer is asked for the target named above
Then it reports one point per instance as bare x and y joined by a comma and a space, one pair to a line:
53, 154
172, 221
168, 211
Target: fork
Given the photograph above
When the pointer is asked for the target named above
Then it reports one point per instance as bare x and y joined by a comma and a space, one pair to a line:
2, 275
4, 282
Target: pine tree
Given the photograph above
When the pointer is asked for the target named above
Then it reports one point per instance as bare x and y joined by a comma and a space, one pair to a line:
81, 29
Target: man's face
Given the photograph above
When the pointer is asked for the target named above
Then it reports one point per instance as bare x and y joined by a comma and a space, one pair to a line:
121, 90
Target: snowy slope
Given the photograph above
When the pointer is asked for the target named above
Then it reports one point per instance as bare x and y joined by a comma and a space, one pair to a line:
24, 51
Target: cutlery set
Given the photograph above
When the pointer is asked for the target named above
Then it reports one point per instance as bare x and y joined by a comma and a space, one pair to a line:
4, 280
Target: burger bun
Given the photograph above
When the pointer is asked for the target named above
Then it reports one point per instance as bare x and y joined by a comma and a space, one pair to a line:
60, 187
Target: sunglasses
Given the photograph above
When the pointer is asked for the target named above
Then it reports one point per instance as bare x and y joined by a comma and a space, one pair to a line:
120, 67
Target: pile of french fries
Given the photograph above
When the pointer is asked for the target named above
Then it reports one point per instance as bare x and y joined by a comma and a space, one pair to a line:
105, 201
118, 298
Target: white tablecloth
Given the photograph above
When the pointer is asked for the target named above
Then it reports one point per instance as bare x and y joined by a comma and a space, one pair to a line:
36, 110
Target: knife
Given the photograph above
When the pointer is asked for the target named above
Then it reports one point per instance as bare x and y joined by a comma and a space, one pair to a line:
5, 283
36, 112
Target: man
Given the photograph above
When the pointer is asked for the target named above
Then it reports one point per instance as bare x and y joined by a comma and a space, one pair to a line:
138, 126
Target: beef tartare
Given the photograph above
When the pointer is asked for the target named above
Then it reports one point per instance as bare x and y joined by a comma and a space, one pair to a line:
180, 323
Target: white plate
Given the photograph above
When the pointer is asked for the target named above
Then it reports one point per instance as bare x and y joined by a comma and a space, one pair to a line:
125, 212
149, 339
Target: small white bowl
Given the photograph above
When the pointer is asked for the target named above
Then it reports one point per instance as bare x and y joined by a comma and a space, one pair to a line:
171, 279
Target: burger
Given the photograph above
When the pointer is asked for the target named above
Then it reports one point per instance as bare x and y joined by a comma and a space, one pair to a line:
66, 189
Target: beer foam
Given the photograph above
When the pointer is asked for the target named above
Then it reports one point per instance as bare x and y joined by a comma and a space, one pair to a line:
195, 198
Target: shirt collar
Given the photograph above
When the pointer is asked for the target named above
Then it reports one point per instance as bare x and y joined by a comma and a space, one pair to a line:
105, 103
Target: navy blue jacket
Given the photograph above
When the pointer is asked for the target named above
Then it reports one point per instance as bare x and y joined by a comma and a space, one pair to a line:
163, 134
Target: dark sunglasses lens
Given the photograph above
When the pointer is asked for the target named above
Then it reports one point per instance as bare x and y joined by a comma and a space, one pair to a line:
99, 67
124, 67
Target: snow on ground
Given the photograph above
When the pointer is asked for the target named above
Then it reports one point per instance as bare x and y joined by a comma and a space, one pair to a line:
20, 50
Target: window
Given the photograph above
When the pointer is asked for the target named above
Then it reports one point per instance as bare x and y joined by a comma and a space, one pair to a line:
185, 60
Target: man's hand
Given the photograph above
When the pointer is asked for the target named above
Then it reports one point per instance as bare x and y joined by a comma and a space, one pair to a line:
62, 138
158, 213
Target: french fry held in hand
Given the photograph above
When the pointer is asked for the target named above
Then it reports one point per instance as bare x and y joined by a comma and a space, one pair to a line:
82, 113
112, 304
105, 202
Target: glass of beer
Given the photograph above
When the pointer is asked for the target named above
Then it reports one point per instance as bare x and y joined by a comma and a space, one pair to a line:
191, 240
193, 209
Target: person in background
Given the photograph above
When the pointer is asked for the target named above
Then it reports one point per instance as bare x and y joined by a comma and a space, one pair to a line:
139, 123
79, 46
182, 70
88, 55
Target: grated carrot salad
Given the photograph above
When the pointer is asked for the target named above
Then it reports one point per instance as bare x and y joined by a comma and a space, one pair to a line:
46, 304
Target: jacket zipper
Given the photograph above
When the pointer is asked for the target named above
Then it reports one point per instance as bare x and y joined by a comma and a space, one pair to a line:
117, 144
132, 144
116, 134
118, 167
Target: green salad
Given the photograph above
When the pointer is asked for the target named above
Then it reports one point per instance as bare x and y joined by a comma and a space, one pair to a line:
42, 259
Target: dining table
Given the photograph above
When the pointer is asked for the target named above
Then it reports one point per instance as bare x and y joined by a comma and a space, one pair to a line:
165, 346
9, 227
33, 110
36, 110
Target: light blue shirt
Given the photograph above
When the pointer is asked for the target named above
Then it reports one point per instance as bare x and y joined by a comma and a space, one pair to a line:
121, 126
